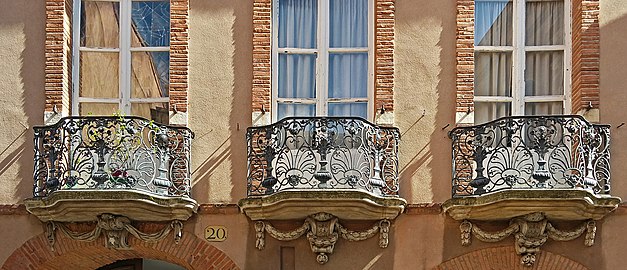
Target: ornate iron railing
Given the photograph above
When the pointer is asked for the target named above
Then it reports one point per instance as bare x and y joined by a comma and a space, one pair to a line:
112, 153
531, 152
323, 153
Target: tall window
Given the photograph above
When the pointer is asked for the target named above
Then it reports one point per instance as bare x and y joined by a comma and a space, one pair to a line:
322, 56
522, 58
121, 57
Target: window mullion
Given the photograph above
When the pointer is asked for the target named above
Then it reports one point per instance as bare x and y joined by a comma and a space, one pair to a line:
125, 56
518, 106
322, 59
275, 60
76, 40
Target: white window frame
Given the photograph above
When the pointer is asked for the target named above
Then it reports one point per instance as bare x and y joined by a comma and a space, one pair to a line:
518, 50
124, 99
322, 42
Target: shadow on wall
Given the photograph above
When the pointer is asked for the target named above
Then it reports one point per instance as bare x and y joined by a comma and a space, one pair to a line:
425, 75
17, 154
227, 149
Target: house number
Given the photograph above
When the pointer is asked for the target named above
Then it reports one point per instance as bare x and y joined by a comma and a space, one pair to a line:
215, 233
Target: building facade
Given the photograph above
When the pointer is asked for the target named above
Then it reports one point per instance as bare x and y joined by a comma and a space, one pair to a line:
313, 134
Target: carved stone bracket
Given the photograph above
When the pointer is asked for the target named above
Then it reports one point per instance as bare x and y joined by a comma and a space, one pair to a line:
322, 231
530, 232
116, 230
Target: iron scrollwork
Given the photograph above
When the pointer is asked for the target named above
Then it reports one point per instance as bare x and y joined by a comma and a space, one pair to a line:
112, 153
531, 152
322, 153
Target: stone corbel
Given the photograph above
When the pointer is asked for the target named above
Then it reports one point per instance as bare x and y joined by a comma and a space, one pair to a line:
530, 232
322, 231
116, 230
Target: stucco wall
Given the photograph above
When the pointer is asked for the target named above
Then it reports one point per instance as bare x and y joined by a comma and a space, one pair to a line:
21, 91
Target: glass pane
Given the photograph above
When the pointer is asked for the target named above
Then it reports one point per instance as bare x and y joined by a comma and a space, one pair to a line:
151, 24
493, 22
349, 109
100, 24
544, 23
544, 73
287, 110
488, 111
151, 74
297, 76
154, 111
493, 74
99, 73
348, 23
348, 75
98, 109
544, 108
297, 23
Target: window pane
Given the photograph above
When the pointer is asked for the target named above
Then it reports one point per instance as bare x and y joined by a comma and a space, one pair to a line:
99, 73
151, 24
287, 110
348, 23
100, 24
493, 74
493, 22
544, 108
348, 75
98, 109
297, 23
349, 109
544, 23
297, 76
151, 74
488, 111
153, 111
544, 73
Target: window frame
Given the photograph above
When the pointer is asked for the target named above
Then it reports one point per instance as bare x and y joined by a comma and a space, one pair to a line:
519, 50
124, 51
321, 66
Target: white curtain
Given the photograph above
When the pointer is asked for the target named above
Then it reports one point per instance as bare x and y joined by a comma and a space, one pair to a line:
347, 72
544, 71
297, 72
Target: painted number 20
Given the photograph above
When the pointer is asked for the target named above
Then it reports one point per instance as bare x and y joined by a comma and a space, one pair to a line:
215, 233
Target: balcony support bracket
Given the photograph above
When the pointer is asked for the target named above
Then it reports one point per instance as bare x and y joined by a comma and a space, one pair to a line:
530, 231
115, 229
322, 231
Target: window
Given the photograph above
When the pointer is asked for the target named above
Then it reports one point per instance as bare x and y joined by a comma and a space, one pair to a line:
121, 57
522, 58
322, 54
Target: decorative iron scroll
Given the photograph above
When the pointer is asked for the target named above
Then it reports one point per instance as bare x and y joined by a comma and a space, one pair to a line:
322, 153
116, 230
531, 152
112, 153
530, 232
322, 231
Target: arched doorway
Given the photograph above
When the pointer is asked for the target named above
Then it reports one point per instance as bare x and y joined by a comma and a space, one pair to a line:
191, 253
505, 258
141, 264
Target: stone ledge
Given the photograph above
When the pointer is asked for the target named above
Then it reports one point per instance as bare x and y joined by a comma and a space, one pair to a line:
555, 204
86, 205
344, 204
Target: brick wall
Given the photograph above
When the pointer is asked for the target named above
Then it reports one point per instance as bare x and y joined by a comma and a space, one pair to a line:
384, 55
586, 55
465, 56
179, 54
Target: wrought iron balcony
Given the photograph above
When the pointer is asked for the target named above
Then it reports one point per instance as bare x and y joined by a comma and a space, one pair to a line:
117, 161
322, 156
532, 157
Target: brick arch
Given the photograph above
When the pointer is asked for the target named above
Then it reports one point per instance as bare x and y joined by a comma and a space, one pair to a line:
191, 253
505, 258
